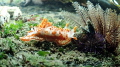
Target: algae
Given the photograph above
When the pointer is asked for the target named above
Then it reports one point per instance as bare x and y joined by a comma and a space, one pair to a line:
45, 54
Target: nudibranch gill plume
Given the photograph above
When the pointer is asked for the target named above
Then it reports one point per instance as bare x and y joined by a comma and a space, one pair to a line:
45, 31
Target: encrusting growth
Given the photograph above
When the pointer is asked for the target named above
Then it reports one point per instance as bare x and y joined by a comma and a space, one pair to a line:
45, 31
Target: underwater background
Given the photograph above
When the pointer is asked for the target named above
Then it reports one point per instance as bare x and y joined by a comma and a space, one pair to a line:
59, 33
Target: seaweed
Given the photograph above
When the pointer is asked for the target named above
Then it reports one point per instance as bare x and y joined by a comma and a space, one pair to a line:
2, 55
85, 52
11, 29
43, 53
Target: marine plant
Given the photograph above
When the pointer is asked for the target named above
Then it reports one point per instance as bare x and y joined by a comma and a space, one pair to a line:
11, 29
45, 31
100, 28
2, 55
43, 53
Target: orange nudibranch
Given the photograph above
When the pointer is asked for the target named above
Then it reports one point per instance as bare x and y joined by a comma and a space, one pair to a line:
45, 31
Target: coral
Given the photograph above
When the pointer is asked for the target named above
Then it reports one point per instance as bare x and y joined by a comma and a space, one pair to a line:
103, 27
45, 31
4, 15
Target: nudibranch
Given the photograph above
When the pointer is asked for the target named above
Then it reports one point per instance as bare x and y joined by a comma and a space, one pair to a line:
45, 31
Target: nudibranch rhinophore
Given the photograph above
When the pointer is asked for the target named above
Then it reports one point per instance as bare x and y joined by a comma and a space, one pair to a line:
45, 31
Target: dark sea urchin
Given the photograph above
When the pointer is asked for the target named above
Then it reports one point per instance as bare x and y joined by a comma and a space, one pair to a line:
103, 28
90, 41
